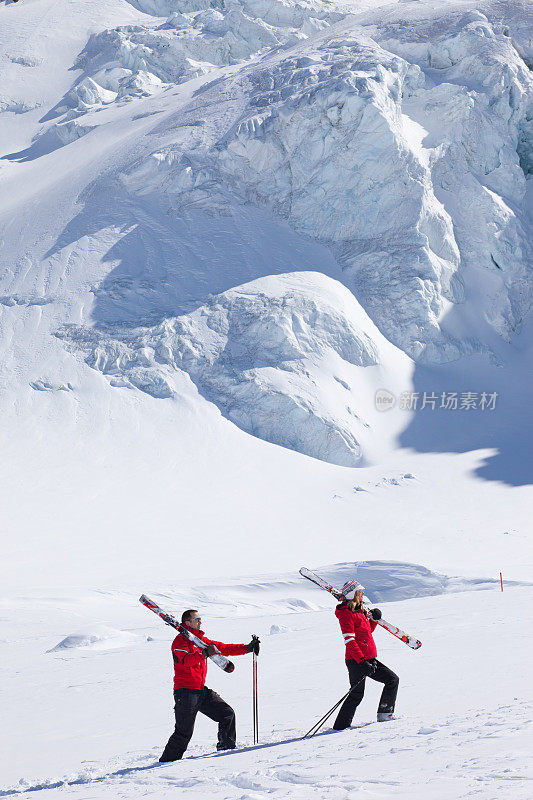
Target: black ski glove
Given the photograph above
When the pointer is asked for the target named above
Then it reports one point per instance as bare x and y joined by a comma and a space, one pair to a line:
210, 650
254, 645
369, 666
376, 613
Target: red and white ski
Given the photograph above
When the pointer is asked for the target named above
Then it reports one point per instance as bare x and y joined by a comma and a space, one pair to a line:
410, 641
220, 660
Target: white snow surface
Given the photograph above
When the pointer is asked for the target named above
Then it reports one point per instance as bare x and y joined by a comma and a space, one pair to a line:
322, 140
225, 229
201, 293
463, 727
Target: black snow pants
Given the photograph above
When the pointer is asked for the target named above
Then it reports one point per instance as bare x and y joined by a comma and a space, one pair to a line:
187, 703
357, 680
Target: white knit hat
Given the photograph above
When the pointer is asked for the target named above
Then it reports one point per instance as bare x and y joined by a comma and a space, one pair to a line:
350, 588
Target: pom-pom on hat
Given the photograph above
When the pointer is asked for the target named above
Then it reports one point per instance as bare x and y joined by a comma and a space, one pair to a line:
350, 588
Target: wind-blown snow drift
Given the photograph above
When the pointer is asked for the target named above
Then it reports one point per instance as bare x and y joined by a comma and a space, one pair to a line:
94, 637
292, 359
290, 593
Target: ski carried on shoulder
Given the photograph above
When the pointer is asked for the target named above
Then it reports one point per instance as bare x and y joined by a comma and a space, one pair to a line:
311, 576
220, 660
410, 641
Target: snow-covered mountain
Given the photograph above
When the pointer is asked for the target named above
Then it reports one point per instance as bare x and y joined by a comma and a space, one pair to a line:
265, 283
259, 213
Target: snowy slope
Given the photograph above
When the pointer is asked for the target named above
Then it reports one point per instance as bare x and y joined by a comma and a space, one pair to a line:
179, 298
224, 227
102, 713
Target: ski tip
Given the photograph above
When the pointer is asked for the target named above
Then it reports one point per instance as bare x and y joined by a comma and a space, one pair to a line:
307, 573
230, 666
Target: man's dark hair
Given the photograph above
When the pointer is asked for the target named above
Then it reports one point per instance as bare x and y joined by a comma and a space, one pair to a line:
185, 617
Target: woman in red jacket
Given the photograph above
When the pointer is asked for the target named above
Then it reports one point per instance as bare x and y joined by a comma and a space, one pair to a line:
357, 625
191, 695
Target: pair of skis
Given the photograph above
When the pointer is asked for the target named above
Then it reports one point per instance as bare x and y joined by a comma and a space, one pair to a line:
220, 660
410, 641
228, 666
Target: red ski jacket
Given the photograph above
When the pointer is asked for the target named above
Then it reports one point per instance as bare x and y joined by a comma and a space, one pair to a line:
190, 665
357, 631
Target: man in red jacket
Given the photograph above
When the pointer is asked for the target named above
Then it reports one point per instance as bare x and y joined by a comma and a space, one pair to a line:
357, 626
191, 695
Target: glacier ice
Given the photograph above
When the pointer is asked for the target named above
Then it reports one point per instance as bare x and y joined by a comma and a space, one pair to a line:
402, 140
270, 354
398, 138
405, 157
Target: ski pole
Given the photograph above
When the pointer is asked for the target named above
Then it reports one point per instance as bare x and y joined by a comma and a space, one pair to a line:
254, 695
255, 708
316, 727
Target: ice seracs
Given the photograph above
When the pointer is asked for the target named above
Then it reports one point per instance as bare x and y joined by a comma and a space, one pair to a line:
476, 107
402, 140
292, 359
196, 38
407, 160
321, 140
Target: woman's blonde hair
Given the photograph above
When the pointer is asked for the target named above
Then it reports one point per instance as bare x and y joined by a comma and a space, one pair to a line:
355, 605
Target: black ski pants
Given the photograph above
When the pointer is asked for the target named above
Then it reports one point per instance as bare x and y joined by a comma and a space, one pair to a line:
187, 703
357, 681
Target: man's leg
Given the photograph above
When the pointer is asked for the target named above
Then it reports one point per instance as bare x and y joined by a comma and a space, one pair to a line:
214, 707
357, 682
388, 696
185, 709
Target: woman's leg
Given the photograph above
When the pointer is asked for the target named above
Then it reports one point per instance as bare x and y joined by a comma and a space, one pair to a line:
388, 696
347, 710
